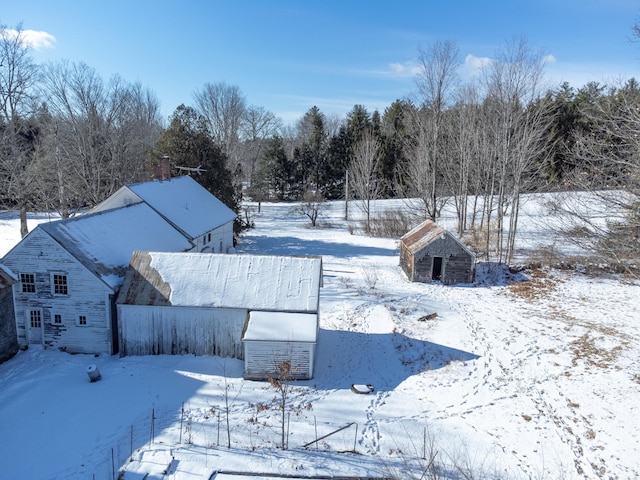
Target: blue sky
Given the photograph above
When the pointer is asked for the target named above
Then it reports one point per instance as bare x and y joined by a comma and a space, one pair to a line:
288, 56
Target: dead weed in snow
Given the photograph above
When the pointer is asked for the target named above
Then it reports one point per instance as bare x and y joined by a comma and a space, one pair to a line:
539, 286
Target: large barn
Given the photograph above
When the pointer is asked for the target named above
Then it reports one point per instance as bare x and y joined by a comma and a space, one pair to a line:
204, 303
430, 253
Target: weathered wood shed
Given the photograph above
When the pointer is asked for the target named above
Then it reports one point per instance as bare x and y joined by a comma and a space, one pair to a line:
203, 303
8, 334
431, 253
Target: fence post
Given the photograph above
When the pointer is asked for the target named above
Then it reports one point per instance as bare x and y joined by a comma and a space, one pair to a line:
153, 419
355, 439
181, 418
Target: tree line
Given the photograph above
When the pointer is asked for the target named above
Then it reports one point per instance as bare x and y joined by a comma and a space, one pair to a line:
70, 139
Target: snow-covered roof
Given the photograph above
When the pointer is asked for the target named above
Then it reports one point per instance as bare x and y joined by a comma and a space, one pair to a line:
185, 203
104, 241
7, 277
282, 327
254, 282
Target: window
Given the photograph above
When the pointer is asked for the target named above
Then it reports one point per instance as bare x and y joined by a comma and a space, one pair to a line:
60, 284
209, 238
82, 320
57, 319
35, 317
28, 282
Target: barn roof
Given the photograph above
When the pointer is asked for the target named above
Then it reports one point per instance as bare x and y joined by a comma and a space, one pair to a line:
104, 241
182, 201
254, 282
425, 233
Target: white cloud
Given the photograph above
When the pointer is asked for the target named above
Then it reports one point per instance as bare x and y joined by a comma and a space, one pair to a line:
406, 69
474, 65
34, 39
549, 59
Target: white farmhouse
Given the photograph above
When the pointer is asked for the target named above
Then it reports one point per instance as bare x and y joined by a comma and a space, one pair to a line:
203, 304
187, 205
70, 271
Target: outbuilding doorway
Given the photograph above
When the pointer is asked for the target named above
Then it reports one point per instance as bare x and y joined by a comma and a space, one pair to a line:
436, 271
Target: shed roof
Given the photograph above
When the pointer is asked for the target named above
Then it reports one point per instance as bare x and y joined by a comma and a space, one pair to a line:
185, 203
425, 233
253, 282
282, 327
422, 235
104, 241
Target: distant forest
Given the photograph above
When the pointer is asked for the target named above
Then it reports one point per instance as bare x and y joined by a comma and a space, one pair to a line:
70, 138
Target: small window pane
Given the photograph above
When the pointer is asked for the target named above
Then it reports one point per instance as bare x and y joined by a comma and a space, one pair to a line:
28, 282
35, 316
60, 284
57, 319
82, 320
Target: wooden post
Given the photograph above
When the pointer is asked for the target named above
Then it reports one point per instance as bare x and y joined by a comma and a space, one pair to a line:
346, 195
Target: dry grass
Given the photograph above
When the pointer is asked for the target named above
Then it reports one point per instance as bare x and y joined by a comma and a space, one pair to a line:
540, 285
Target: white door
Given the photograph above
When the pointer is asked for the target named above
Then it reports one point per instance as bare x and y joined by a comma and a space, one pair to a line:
34, 326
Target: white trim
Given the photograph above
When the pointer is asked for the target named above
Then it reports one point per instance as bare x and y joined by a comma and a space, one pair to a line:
53, 316
53, 285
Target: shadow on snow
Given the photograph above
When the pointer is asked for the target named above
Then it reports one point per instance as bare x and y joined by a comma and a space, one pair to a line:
296, 246
383, 360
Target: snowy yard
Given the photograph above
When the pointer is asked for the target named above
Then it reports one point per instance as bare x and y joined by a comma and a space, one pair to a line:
537, 379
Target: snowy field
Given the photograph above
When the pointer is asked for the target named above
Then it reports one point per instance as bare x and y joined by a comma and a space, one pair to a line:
510, 379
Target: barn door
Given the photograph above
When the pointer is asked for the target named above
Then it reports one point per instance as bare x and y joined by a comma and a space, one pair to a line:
436, 271
34, 325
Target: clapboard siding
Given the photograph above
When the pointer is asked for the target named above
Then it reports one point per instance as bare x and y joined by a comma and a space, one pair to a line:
263, 357
87, 296
221, 240
170, 330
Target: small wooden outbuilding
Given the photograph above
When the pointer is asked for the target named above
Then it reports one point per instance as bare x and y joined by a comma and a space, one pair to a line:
431, 253
273, 338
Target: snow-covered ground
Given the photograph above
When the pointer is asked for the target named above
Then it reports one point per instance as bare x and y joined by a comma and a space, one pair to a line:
531, 379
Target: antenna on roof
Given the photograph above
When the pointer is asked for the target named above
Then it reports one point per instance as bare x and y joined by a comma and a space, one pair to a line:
197, 169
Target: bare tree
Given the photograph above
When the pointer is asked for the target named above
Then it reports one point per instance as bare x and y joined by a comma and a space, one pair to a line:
225, 109
436, 81
260, 125
365, 182
518, 120
312, 205
102, 132
604, 217
18, 134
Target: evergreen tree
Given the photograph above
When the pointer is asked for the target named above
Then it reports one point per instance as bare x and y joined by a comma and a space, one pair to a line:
187, 143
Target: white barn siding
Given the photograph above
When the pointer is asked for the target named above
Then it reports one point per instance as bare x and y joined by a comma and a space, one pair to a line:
170, 330
263, 357
87, 296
